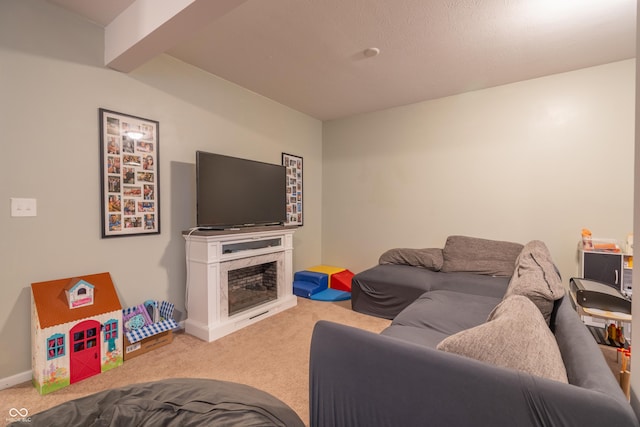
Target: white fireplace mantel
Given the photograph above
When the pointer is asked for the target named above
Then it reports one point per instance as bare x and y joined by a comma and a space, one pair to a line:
211, 254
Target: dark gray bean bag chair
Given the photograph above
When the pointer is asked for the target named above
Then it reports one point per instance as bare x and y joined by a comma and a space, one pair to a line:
172, 402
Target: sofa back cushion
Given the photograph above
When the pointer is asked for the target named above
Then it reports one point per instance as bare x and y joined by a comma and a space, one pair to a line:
537, 278
429, 258
515, 336
480, 256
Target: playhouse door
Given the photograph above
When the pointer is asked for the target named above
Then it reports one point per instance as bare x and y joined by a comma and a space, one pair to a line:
85, 350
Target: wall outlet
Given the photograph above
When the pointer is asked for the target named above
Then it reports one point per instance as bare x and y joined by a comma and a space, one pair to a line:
23, 207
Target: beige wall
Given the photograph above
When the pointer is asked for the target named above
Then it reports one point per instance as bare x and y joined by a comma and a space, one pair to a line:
52, 83
538, 159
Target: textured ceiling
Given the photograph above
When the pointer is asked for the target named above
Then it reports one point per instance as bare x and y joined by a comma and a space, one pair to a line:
308, 54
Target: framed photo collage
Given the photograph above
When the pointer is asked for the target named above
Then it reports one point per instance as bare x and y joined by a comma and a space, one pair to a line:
295, 213
129, 164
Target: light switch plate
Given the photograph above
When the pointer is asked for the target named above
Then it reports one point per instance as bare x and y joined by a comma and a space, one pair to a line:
23, 207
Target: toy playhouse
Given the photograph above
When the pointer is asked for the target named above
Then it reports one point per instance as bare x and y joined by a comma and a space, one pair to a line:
76, 330
323, 283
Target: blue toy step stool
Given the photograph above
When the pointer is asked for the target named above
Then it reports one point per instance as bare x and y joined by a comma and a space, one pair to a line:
315, 285
308, 283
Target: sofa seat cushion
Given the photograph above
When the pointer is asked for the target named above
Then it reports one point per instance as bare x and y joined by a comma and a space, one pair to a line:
415, 335
480, 256
537, 278
438, 314
515, 336
385, 290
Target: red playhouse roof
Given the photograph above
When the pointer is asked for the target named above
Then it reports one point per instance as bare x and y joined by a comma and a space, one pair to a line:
53, 308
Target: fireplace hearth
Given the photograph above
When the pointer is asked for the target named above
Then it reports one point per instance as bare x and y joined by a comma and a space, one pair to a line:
247, 283
252, 286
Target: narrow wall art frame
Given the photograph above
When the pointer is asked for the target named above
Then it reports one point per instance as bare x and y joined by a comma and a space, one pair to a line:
129, 174
295, 205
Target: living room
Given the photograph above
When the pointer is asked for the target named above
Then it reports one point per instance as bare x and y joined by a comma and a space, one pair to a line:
536, 159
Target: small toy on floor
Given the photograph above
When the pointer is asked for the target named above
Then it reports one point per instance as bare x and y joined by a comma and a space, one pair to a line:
615, 335
323, 283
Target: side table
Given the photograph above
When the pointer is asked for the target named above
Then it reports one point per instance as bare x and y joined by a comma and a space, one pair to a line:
602, 318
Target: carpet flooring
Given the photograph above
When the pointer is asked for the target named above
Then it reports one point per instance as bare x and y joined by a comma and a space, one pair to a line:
271, 355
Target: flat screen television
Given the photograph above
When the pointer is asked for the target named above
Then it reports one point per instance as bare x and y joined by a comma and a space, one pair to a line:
235, 192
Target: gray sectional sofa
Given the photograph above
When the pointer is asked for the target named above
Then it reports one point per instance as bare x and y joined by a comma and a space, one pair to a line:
482, 335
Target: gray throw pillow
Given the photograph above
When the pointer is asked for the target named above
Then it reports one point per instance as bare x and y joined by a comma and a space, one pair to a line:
515, 336
537, 278
480, 256
430, 258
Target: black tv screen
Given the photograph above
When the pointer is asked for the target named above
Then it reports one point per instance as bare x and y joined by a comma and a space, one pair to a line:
235, 192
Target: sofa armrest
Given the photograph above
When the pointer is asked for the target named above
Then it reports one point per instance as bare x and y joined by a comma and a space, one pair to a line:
359, 378
385, 290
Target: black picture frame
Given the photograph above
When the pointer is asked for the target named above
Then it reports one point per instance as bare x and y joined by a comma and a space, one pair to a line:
295, 189
129, 174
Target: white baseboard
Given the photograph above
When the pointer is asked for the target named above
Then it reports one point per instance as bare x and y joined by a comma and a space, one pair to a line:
15, 380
